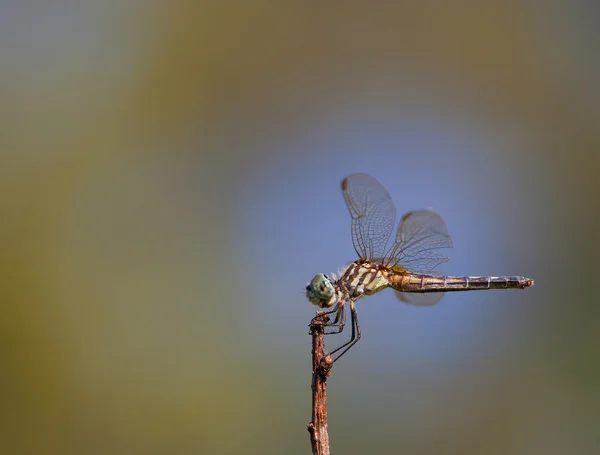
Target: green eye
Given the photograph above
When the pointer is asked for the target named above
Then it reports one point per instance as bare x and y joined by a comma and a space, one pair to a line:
322, 287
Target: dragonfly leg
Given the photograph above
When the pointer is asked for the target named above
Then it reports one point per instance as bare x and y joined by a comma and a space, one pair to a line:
339, 322
356, 334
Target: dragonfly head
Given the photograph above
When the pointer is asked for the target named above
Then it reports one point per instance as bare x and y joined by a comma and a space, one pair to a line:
321, 292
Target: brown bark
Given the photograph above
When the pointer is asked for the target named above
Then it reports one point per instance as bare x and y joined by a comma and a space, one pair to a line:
321, 369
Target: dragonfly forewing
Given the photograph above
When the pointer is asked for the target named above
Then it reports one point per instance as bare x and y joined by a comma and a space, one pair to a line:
373, 214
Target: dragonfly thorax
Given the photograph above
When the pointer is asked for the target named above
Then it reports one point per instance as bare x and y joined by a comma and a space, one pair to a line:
363, 278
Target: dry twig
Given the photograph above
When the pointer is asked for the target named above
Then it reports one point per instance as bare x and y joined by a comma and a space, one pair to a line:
321, 368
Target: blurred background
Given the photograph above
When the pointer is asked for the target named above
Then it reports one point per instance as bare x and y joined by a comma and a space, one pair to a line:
169, 182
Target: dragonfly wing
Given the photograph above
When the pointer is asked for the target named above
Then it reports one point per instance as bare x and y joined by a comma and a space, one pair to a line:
419, 235
420, 298
373, 214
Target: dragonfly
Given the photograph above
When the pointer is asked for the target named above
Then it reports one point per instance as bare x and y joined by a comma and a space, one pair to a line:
408, 266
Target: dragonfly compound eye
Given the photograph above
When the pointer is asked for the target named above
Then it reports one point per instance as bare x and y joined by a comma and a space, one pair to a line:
322, 287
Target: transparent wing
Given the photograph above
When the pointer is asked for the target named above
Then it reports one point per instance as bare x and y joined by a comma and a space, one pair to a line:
420, 298
373, 214
420, 234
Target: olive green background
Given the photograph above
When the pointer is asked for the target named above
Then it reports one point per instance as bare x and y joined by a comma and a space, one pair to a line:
169, 178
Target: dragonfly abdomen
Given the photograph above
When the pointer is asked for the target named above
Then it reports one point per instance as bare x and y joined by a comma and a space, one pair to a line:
428, 283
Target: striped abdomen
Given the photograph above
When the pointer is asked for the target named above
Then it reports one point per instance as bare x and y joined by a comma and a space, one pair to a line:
427, 283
